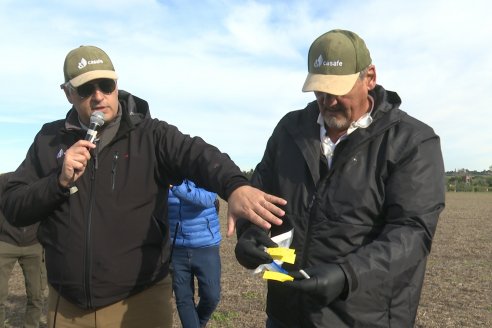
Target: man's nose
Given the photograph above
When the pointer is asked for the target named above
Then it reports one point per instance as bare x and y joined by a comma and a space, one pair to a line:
329, 99
97, 93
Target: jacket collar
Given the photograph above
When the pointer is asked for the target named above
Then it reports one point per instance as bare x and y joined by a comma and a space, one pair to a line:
386, 113
305, 133
133, 111
305, 130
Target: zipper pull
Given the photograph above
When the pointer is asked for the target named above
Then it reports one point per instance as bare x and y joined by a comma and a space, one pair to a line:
310, 206
95, 166
116, 155
95, 152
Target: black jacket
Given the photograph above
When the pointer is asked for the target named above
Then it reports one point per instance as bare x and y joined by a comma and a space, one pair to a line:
108, 237
18, 236
374, 212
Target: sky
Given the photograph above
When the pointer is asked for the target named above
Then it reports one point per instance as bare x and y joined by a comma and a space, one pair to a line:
227, 71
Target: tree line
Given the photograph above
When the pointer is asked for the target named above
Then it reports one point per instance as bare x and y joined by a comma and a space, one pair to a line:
469, 181
462, 180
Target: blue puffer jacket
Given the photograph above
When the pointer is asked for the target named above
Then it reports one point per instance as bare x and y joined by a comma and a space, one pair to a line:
194, 209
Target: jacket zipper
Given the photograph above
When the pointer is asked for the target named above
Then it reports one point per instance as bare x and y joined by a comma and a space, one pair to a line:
313, 206
113, 169
88, 249
311, 211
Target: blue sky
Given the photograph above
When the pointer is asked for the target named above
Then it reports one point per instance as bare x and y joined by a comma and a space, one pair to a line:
229, 70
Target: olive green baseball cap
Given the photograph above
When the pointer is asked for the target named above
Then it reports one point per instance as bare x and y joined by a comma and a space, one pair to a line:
87, 63
335, 60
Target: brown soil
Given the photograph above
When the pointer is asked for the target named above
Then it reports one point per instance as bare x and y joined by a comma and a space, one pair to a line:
457, 289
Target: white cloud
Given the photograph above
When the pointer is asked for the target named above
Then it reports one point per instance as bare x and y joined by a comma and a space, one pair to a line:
242, 63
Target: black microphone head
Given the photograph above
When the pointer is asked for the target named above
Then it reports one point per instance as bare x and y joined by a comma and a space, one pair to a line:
97, 118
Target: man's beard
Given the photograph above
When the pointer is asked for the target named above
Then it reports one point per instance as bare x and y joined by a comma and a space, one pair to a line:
336, 123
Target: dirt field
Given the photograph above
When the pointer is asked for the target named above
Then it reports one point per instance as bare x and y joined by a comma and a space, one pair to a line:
457, 290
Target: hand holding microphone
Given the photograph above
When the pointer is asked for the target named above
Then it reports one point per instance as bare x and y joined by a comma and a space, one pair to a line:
78, 155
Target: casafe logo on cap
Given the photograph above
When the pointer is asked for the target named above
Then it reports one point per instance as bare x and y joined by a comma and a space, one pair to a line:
83, 62
321, 62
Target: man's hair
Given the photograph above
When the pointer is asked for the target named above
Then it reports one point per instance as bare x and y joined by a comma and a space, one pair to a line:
363, 73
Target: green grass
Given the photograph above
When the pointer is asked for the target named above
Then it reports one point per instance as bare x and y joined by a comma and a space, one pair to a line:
223, 318
252, 295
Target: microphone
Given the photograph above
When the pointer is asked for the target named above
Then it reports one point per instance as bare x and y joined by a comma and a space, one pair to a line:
97, 120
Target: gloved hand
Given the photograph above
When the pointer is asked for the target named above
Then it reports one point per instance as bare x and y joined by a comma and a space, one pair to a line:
327, 281
250, 247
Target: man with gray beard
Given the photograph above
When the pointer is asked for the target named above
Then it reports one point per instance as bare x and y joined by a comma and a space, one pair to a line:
364, 184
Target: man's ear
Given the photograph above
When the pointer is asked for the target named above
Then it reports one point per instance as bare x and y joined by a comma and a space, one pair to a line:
371, 77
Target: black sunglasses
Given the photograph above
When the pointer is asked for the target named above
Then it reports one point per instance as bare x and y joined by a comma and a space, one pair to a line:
107, 86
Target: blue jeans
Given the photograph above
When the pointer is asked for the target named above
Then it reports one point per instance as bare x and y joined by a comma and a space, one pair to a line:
204, 264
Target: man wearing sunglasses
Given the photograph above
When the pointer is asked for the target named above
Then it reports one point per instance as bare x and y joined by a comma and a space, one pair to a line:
103, 205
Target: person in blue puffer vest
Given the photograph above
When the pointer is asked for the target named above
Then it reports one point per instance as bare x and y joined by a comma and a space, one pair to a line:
195, 232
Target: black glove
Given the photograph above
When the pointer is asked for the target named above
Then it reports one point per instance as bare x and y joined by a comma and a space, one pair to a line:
327, 281
250, 247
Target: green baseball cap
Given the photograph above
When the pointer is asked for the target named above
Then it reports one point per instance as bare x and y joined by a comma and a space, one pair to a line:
335, 60
87, 63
